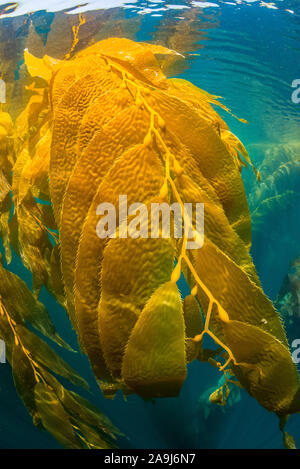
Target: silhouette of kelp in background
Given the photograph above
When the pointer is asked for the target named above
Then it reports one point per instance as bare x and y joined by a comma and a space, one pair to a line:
280, 170
44, 32
275, 202
109, 122
288, 299
187, 35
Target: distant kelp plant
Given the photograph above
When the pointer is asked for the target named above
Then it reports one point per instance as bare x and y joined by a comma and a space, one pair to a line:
288, 298
280, 170
108, 122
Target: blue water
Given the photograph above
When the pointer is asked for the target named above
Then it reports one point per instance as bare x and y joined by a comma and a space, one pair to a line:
248, 52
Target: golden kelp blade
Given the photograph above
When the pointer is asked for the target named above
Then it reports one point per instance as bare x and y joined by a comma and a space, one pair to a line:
34, 168
170, 61
48, 406
126, 176
136, 58
192, 316
193, 326
217, 227
154, 362
6, 125
241, 298
42, 68
96, 159
252, 332
211, 155
67, 118
198, 99
148, 263
269, 373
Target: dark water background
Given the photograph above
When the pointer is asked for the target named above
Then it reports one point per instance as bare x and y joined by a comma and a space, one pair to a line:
248, 52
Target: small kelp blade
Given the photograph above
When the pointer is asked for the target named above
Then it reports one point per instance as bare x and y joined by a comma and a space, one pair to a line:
154, 362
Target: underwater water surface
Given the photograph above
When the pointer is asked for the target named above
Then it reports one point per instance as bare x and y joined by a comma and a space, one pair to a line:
248, 53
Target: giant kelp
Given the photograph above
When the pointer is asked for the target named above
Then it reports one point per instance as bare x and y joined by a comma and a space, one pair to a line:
25, 324
109, 122
288, 298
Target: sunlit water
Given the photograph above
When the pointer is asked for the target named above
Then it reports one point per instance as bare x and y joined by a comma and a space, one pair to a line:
248, 52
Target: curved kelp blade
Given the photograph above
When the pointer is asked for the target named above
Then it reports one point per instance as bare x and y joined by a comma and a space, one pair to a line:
82, 410
238, 295
193, 326
54, 418
148, 263
48, 358
24, 379
72, 420
267, 370
154, 363
126, 176
17, 297
83, 425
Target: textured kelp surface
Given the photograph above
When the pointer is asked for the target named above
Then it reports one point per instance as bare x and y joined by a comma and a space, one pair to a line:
109, 122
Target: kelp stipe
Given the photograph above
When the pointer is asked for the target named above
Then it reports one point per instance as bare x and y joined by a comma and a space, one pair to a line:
109, 122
